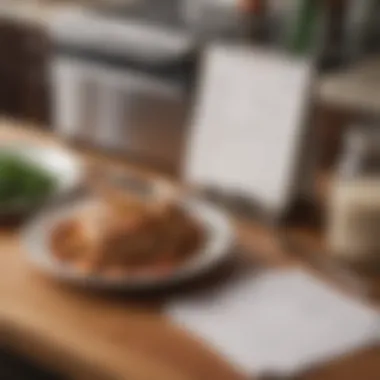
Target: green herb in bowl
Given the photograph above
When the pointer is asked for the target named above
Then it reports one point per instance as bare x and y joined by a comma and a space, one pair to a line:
22, 183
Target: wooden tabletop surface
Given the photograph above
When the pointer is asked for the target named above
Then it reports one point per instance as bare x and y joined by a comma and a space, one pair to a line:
106, 336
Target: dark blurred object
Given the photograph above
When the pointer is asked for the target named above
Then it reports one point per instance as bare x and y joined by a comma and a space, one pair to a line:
373, 38
23, 62
256, 14
361, 26
336, 14
15, 367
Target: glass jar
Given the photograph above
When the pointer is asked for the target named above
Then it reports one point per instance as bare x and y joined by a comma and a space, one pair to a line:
354, 207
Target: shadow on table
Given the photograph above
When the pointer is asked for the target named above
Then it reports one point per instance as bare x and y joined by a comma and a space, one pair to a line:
16, 367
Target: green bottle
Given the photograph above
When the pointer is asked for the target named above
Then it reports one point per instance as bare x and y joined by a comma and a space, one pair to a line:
305, 29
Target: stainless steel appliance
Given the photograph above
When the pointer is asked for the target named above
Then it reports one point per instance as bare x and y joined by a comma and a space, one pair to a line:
122, 81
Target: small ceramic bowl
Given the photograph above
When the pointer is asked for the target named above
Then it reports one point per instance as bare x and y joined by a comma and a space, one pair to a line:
57, 162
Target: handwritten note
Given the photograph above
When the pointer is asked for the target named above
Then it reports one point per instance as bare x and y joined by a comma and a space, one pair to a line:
247, 124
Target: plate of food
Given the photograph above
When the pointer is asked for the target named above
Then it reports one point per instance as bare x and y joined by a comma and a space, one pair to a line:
31, 174
121, 239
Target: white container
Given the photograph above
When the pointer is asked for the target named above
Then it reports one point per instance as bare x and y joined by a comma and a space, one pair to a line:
354, 209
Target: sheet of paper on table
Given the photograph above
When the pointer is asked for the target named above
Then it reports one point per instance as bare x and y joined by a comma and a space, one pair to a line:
248, 121
279, 322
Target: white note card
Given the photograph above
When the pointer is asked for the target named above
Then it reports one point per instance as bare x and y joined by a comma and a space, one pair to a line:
247, 123
278, 322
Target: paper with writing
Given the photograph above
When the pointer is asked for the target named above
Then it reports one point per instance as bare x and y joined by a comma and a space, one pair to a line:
247, 123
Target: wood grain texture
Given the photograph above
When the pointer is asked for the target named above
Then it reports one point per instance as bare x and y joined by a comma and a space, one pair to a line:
106, 336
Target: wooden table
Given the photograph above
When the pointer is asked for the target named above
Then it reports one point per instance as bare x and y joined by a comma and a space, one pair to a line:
104, 336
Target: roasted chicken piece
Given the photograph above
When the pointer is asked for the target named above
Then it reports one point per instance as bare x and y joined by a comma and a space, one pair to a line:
122, 234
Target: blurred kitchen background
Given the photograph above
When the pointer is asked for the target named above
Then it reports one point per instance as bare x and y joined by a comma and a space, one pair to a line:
121, 76
161, 42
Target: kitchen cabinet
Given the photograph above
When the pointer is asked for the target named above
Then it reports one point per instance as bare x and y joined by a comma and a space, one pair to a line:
24, 87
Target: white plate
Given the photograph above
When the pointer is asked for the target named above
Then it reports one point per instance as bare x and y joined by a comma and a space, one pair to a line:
216, 248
